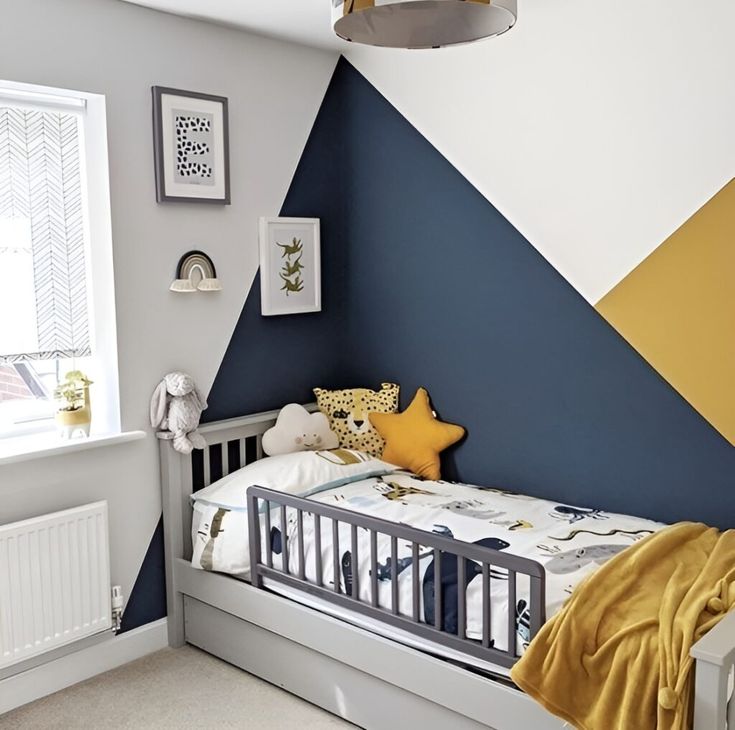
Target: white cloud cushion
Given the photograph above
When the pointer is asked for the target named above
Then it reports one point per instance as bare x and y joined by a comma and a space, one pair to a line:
298, 430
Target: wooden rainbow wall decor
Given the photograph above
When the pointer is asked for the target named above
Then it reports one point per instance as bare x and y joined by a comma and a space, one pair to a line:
191, 264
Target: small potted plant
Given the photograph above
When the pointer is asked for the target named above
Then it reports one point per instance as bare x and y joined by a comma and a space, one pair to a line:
74, 413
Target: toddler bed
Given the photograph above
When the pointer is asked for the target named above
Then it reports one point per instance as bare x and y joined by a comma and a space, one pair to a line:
371, 647
553, 546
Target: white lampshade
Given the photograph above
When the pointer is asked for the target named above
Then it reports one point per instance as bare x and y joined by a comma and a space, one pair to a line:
421, 23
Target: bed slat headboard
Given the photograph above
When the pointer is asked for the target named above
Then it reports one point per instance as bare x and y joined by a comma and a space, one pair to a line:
231, 444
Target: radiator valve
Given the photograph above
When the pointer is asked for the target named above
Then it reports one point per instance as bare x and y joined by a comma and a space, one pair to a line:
117, 607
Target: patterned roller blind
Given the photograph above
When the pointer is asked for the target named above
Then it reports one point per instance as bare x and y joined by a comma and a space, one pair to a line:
43, 310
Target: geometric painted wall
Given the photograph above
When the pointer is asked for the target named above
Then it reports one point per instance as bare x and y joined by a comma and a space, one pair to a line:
274, 360
427, 284
677, 308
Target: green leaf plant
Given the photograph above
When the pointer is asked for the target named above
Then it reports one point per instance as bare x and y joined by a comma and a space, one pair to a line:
70, 391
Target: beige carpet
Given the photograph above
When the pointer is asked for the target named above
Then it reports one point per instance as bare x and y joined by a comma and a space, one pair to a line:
173, 688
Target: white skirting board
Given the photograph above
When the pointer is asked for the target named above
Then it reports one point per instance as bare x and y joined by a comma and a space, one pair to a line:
80, 665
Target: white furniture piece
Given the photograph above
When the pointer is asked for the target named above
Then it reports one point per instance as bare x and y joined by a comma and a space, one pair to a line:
363, 677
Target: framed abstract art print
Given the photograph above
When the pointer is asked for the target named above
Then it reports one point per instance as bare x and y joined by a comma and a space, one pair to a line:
191, 145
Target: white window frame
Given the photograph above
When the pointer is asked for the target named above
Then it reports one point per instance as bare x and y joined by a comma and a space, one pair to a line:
94, 165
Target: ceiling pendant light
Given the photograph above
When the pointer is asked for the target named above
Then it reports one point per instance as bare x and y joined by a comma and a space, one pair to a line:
421, 23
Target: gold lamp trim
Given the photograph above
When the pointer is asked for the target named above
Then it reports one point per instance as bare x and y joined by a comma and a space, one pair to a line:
421, 23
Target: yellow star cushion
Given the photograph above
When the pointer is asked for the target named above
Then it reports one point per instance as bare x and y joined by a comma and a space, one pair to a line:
415, 438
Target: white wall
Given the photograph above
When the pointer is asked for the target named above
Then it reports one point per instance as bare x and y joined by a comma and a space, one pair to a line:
274, 92
596, 127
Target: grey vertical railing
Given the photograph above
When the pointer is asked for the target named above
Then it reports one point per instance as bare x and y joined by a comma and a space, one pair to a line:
261, 502
318, 549
374, 568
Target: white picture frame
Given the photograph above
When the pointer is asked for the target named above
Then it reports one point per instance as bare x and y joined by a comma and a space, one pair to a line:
290, 266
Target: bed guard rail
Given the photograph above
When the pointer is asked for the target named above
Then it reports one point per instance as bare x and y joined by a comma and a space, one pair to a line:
263, 503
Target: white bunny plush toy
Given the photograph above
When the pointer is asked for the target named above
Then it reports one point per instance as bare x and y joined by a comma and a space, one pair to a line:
176, 407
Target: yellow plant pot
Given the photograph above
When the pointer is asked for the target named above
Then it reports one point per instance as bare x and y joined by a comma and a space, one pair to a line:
75, 423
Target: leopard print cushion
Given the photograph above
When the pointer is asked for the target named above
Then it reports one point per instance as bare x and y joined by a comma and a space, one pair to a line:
347, 411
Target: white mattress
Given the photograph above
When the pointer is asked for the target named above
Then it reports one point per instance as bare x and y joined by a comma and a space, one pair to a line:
571, 542
382, 629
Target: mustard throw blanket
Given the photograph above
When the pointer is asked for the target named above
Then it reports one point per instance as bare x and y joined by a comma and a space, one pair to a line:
617, 655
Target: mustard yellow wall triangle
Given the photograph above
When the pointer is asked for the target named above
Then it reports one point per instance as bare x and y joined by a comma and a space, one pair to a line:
677, 308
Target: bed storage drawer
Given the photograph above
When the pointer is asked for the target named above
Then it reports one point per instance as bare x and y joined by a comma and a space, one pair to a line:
302, 671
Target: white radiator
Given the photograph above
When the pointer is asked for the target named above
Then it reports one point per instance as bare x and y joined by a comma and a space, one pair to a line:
54, 581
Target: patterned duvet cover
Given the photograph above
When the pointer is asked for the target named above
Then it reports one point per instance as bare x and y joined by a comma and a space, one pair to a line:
570, 542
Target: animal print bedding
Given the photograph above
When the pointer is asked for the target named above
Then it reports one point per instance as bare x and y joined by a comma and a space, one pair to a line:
571, 542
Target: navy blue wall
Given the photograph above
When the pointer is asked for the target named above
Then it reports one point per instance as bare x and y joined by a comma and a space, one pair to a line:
425, 283
271, 361
148, 598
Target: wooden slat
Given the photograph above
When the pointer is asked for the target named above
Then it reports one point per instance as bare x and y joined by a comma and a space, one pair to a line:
461, 598
318, 550
394, 573
374, 567
225, 458
512, 612
537, 608
335, 555
437, 590
415, 580
355, 565
300, 537
186, 507
486, 606
268, 541
207, 467
284, 540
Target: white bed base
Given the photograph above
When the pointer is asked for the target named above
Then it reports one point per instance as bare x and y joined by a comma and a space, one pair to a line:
368, 680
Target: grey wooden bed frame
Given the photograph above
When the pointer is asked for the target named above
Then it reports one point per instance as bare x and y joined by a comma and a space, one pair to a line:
365, 678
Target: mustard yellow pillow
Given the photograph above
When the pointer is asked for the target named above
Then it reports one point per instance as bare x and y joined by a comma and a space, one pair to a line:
415, 438
348, 411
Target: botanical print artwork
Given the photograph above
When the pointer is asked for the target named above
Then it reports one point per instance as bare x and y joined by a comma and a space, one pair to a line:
292, 267
194, 147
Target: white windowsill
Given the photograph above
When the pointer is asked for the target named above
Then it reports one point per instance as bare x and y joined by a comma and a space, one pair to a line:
37, 446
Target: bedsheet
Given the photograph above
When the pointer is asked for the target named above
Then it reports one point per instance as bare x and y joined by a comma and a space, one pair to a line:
571, 542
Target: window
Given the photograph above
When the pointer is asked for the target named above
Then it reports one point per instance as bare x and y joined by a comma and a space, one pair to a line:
55, 256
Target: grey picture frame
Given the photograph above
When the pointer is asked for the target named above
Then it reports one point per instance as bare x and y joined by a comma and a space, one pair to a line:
163, 195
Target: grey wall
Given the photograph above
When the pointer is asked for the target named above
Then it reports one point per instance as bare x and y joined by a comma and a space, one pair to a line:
275, 90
